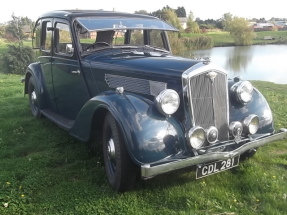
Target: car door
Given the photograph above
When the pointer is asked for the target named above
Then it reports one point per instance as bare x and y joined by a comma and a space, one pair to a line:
43, 42
70, 89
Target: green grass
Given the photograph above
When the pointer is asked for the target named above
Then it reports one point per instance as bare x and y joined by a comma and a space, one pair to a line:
280, 37
220, 38
43, 170
223, 38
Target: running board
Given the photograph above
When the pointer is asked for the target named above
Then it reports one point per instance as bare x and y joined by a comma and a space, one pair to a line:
61, 121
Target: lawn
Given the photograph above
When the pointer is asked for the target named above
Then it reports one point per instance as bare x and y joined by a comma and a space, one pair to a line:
223, 38
43, 170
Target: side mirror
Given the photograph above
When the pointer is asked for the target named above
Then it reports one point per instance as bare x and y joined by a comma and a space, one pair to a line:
69, 49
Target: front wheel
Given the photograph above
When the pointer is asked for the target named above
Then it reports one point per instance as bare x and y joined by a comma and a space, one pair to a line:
33, 97
120, 169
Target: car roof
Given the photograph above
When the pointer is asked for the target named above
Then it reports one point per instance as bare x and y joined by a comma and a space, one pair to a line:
71, 14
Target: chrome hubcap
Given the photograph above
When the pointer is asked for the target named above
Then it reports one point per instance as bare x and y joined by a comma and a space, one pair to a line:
33, 97
111, 151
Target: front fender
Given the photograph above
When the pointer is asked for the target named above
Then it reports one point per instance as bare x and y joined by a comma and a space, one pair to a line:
258, 106
148, 135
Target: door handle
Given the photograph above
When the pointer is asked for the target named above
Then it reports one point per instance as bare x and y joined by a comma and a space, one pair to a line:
78, 72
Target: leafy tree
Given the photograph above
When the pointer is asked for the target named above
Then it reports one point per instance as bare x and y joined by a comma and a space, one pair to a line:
180, 12
2, 30
14, 29
169, 16
192, 26
226, 19
240, 30
209, 23
157, 13
17, 57
142, 12
262, 20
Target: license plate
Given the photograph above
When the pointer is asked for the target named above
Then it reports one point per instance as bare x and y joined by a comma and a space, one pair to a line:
218, 166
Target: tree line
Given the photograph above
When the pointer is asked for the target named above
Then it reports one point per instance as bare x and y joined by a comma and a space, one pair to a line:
238, 27
18, 56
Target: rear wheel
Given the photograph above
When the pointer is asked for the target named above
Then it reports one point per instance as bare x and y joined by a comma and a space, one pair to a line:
33, 97
120, 169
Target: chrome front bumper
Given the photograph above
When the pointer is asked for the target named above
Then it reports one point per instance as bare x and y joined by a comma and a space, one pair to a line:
148, 171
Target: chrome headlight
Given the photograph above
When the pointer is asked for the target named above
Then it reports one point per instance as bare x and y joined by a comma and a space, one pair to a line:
196, 137
251, 124
235, 129
243, 91
167, 102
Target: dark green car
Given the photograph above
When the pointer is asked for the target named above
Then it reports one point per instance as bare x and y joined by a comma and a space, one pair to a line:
113, 75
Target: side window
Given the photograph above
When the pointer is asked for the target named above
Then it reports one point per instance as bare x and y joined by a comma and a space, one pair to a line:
37, 35
119, 38
63, 39
137, 37
156, 39
47, 35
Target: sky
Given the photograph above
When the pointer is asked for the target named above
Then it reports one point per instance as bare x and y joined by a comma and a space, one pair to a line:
206, 9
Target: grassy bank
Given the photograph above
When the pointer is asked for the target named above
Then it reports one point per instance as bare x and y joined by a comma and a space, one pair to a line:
222, 38
43, 170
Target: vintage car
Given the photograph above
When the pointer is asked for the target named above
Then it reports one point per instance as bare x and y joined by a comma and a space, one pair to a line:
113, 75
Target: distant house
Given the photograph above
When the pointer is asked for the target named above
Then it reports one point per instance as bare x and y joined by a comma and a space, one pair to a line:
263, 27
27, 30
183, 21
281, 25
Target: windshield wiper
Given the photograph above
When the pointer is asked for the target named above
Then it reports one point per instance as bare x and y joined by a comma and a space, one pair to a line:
156, 49
126, 47
129, 53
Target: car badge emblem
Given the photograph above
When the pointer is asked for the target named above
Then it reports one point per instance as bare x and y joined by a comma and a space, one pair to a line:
211, 76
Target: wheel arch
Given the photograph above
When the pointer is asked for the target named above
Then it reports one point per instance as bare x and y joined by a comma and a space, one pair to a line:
141, 126
33, 70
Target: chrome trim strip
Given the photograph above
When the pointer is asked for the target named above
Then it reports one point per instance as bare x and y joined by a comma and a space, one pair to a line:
149, 171
137, 85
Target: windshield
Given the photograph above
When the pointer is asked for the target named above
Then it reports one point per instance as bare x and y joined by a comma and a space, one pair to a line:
120, 23
153, 40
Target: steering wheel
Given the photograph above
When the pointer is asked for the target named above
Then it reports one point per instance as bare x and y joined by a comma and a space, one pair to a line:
97, 43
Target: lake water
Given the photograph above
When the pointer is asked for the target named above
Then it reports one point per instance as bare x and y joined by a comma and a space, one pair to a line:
260, 62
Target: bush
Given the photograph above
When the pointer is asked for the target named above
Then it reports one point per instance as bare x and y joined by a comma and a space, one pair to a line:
176, 44
16, 59
203, 42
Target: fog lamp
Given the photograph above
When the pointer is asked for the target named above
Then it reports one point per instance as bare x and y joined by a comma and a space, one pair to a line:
251, 124
211, 134
235, 129
196, 137
167, 102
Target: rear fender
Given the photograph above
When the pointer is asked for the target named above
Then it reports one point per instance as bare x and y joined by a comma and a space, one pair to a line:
34, 70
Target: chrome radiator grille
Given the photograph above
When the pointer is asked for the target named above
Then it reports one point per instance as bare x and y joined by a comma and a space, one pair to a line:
209, 102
